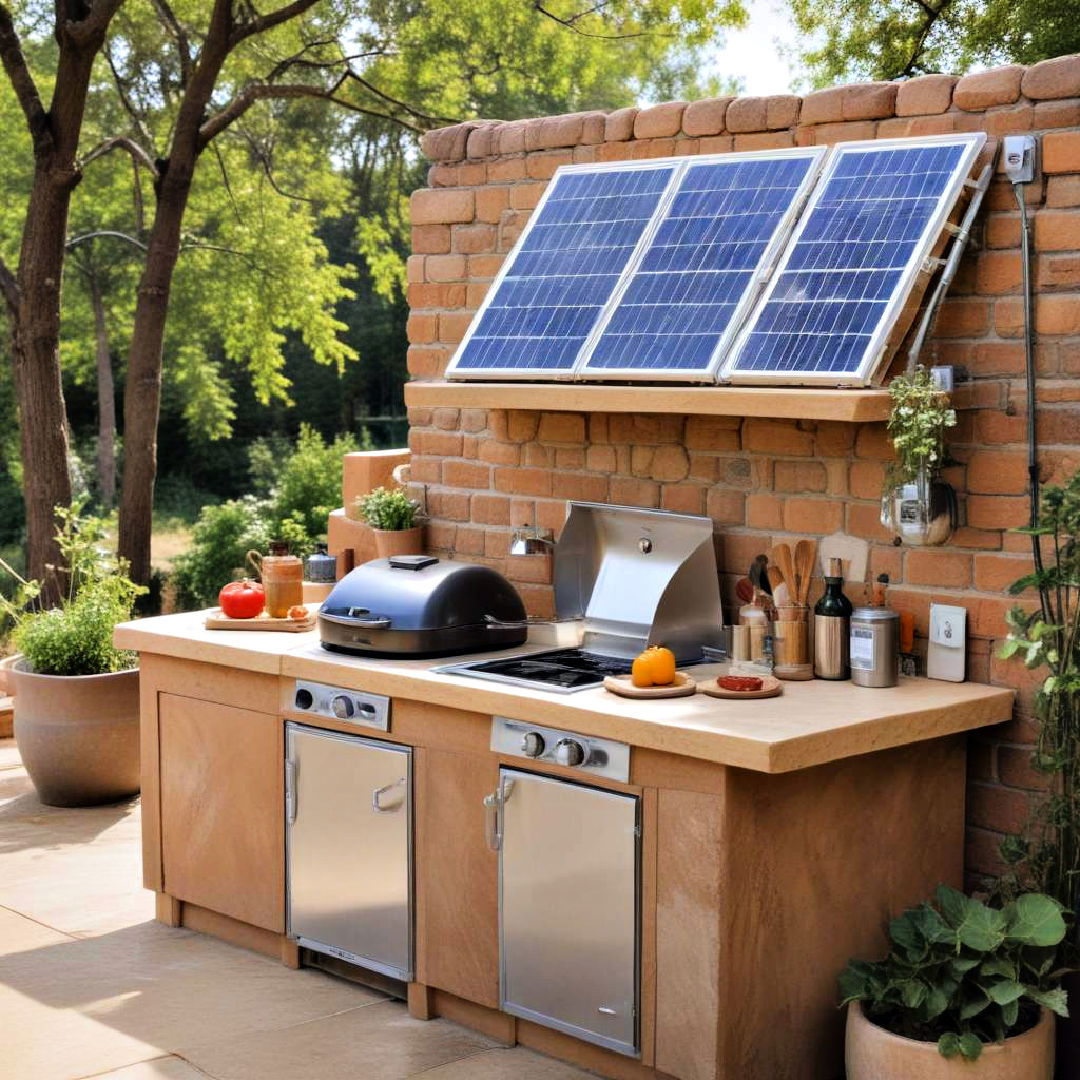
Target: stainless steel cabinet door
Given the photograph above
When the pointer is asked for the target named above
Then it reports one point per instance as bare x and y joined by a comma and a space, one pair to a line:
569, 907
349, 848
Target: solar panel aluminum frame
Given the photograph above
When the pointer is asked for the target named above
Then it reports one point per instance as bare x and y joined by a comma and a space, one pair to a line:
873, 356
707, 374
548, 374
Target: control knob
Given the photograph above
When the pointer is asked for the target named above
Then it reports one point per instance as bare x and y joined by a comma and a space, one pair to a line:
342, 706
304, 698
532, 744
569, 752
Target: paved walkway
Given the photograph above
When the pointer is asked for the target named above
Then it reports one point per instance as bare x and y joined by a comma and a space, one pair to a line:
91, 986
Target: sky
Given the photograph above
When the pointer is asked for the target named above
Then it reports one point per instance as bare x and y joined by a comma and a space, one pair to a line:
752, 55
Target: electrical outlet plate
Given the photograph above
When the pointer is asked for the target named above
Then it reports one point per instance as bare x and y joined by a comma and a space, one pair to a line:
1018, 155
947, 649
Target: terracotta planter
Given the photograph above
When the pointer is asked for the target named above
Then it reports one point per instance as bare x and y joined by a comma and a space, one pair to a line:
6, 682
78, 735
872, 1053
402, 542
1068, 1032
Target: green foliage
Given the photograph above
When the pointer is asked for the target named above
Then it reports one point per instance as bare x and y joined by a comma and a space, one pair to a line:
961, 973
917, 423
888, 39
1047, 855
297, 488
389, 509
75, 638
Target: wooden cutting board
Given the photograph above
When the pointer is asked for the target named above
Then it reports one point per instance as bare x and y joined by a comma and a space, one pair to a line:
770, 687
683, 686
216, 621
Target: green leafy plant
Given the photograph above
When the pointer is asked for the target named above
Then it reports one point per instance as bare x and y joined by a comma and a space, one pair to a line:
918, 420
961, 973
75, 637
1047, 854
389, 509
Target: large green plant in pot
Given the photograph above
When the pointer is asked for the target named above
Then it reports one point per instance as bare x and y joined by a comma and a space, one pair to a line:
76, 694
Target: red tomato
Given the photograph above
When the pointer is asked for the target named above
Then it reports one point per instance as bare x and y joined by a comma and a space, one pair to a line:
242, 599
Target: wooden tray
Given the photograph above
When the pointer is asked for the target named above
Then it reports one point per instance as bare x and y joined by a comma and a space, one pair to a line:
683, 686
216, 621
771, 687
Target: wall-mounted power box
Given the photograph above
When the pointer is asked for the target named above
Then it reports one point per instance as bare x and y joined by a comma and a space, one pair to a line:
1018, 155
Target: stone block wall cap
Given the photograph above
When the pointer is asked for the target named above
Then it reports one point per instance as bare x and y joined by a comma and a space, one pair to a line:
1049, 79
985, 89
926, 95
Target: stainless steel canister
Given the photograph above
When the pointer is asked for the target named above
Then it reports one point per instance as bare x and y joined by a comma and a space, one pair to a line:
875, 646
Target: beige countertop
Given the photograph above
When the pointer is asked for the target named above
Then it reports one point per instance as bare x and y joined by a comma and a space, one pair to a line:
809, 724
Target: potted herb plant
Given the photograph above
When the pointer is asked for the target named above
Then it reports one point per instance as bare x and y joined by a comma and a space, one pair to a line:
966, 991
76, 694
1047, 855
395, 519
916, 503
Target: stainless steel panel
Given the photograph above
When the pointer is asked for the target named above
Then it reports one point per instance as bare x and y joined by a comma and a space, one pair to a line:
517, 738
568, 907
352, 706
349, 848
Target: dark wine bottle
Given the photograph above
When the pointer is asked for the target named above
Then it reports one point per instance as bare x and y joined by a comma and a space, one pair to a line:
832, 616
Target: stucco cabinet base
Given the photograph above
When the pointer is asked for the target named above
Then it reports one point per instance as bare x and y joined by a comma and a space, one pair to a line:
756, 886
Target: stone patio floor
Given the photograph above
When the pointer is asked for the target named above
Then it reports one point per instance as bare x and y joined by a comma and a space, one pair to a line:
91, 986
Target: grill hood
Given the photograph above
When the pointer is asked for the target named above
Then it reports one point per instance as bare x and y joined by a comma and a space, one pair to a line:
419, 605
638, 576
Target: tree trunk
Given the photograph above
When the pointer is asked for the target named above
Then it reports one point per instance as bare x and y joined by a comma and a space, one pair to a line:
106, 448
142, 390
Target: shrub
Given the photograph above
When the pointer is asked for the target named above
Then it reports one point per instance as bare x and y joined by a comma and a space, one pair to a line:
961, 973
388, 509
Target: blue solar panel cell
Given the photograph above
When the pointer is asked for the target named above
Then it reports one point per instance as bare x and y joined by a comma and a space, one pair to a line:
564, 271
700, 263
852, 259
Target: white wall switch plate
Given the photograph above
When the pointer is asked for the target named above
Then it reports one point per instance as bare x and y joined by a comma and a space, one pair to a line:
947, 651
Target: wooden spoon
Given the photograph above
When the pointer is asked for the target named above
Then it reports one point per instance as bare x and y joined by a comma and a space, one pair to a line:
781, 555
805, 553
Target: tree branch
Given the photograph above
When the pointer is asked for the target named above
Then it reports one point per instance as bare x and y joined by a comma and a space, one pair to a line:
75, 241
10, 287
183, 45
270, 91
18, 72
261, 23
122, 142
95, 24
571, 23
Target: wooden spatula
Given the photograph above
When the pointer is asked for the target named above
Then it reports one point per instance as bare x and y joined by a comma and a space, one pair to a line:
805, 553
781, 555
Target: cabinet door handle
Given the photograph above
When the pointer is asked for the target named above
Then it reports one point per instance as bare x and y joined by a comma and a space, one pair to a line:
378, 793
493, 813
290, 792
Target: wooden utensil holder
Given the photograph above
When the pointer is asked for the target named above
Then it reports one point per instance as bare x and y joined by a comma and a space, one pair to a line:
791, 643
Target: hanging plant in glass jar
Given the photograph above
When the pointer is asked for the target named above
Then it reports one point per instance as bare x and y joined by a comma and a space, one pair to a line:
917, 504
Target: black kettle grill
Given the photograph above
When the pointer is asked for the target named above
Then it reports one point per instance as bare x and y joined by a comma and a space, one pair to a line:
419, 605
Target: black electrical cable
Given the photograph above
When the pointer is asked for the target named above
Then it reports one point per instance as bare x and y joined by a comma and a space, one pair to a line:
1029, 368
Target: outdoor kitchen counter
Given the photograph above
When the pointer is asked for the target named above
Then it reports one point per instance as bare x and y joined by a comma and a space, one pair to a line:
809, 724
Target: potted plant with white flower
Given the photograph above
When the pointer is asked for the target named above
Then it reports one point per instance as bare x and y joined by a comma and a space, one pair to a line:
917, 504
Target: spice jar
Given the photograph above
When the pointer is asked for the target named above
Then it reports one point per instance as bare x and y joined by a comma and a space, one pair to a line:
875, 646
282, 577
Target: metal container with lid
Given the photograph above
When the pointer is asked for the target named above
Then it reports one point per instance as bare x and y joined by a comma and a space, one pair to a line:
875, 647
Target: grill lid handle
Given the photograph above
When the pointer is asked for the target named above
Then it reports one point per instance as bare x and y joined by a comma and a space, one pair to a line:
411, 562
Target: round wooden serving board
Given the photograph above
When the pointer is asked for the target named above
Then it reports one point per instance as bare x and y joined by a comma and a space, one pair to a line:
683, 686
770, 687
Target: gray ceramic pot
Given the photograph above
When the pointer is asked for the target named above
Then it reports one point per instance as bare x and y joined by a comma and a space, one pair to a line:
78, 735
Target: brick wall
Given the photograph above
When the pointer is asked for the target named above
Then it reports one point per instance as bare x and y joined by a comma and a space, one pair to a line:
760, 480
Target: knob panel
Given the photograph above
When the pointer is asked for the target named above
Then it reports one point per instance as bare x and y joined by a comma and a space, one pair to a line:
343, 706
532, 744
569, 752
304, 698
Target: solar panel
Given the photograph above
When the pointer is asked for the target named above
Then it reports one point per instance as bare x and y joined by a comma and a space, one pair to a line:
853, 260
561, 274
698, 273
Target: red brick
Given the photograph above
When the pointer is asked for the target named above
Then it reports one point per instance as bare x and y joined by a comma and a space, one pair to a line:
1015, 768
765, 140
764, 511
683, 498
1002, 230
472, 174
999, 86
799, 476
927, 95
500, 453
998, 272
726, 506
446, 419
833, 438
866, 479
821, 516
991, 806
490, 510
658, 121
645, 429
1057, 114
716, 144
463, 474
619, 125
823, 106
422, 329
982, 856
1057, 230
873, 441
963, 317
472, 239
1056, 78
981, 539
995, 573
426, 363
869, 101
582, 487
562, 427
712, 433
705, 117
997, 472
628, 492
452, 326
926, 566
1058, 272
670, 464
539, 455
431, 239
444, 268
523, 481
441, 207
777, 437
746, 114
1058, 314
490, 203
483, 140
1061, 152
782, 111
550, 132
448, 504
506, 170
864, 519
600, 458
570, 458
996, 511
435, 443
1008, 120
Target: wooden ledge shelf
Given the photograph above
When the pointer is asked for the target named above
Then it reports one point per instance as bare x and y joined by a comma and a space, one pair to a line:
855, 406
